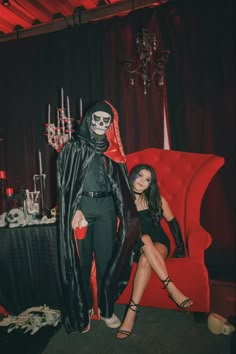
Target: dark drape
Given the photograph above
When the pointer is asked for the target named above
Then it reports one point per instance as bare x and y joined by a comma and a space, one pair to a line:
139, 112
201, 90
29, 268
87, 61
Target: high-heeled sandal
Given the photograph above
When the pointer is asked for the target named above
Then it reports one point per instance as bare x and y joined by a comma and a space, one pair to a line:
133, 307
183, 303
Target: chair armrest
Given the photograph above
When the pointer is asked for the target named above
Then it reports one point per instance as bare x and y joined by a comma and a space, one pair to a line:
198, 241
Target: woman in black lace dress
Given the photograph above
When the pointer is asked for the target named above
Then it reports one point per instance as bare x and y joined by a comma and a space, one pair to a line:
154, 246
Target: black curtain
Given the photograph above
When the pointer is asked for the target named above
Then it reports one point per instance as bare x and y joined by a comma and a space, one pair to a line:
201, 90
87, 61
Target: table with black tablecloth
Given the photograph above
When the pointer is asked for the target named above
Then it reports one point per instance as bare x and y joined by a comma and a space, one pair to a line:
29, 270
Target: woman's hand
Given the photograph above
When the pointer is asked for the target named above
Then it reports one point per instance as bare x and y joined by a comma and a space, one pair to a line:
78, 217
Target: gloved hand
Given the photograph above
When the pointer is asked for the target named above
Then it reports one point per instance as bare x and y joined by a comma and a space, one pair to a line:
176, 232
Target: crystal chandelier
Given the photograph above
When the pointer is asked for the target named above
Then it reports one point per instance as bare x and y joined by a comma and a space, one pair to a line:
151, 60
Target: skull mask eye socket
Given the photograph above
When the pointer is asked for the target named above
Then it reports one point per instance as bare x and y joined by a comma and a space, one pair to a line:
100, 122
96, 118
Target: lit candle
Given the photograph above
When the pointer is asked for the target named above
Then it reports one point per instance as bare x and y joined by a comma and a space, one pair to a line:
68, 107
40, 163
80, 108
49, 113
9, 191
62, 98
2, 174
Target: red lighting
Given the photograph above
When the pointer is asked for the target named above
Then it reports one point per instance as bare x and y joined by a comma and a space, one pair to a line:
2, 174
9, 191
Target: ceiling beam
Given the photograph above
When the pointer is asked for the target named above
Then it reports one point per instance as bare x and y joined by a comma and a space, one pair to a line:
83, 16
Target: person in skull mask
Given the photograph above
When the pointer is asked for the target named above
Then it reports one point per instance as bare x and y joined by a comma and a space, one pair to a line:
93, 186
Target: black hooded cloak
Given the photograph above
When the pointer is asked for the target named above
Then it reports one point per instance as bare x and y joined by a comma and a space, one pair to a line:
72, 165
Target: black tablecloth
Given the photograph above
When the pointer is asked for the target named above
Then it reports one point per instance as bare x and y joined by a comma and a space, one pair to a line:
29, 270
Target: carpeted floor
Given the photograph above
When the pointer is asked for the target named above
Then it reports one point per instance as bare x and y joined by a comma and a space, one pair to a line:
156, 331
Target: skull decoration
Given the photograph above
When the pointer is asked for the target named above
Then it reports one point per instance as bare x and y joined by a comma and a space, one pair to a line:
3, 220
16, 217
100, 122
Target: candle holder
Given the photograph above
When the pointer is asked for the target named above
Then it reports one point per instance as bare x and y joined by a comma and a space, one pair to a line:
14, 199
34, 204
58, 135
3, 180
31, 203
9, 192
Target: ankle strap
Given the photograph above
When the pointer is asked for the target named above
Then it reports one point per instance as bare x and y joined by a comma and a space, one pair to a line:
166, 282
132, 304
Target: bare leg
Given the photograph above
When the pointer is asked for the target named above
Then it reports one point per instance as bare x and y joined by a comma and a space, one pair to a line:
153, 257
141, 280
157, 262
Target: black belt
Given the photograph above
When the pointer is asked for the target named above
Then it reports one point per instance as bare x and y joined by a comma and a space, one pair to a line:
97, 194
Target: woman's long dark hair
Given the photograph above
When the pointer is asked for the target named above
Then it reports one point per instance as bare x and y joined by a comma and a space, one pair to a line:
152, 193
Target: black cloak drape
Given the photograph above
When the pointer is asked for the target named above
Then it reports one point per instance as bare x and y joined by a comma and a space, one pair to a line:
72, 164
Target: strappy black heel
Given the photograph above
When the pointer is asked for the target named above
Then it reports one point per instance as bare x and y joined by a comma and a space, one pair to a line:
183, 303
133, 307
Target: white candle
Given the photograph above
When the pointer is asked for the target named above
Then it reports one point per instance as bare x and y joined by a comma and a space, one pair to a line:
62, 98
68, 107
40, 163
34, 185
80, 108
58, 119
49, 113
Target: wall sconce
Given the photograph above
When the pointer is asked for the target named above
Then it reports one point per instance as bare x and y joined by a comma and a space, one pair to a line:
151, 62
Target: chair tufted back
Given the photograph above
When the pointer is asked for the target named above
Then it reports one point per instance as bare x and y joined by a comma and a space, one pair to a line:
183, 178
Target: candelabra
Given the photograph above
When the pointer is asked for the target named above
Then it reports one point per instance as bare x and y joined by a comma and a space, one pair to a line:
151, 60
34, 200
60, 133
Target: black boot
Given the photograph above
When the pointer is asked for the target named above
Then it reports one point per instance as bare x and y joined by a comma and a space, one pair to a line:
176, 232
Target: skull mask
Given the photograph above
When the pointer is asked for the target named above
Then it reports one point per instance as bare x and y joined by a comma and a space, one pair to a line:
100, 122
16, 217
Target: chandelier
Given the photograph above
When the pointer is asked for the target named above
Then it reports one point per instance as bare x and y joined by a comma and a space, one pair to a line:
151, 62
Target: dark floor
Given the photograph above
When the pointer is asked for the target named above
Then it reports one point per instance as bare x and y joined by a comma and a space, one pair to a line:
156, 331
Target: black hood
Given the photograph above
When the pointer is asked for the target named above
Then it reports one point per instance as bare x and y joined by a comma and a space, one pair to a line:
84, 129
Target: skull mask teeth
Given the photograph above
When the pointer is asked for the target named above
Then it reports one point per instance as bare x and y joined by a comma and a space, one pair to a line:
100, 122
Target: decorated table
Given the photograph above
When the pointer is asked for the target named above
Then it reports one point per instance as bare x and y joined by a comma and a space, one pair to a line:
29, 270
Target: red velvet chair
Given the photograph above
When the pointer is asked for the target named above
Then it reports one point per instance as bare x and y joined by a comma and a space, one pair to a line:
183, 179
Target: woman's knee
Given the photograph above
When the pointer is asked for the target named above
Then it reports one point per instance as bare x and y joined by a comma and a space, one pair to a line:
143, 262
162, 250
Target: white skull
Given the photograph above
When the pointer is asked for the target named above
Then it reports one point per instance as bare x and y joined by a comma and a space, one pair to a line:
100, 122
16, 217
3, 220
